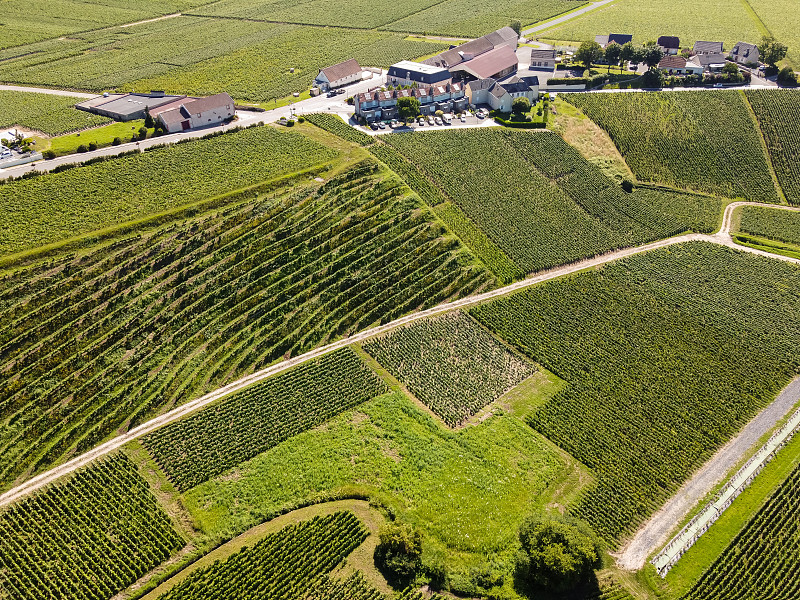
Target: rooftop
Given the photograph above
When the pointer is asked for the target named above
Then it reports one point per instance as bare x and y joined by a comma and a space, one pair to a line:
407, 65
341, 70
490, 63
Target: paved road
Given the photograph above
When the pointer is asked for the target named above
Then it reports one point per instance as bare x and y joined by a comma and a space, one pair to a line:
20, 88
564, 18
722, 237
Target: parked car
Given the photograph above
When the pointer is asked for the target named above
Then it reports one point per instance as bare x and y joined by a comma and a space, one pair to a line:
331, 94
381, 124
340, 91
437, 120
717, 85
373, 126
421, 121
464, 118
430, 120
479, 114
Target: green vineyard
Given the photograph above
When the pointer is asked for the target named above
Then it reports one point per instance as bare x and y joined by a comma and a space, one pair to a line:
282, 565
761, 562
539, 201
206, 444
355, 587
336, 126
666, 355
94, 342
686, 139
777, 113
451, 364
781, 225
86, 538
53, 115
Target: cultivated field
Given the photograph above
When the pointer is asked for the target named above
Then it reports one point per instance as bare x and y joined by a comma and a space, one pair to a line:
686, 139
90, 536
53, 115
780, 225
451, 364
666, 355
337, 126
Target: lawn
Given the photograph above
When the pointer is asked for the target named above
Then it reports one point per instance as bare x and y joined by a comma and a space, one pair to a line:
102, 136
50, 114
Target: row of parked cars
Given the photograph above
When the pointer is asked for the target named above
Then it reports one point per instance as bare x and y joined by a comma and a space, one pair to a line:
446, 119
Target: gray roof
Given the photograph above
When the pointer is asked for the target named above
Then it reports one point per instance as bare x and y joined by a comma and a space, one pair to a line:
341, 70
132, 103
745, 50
209, 103
469, 50
707, 47
710, 59
619, 38
543, 54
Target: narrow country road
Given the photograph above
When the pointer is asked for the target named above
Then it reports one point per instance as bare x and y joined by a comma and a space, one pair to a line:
565, 18
722, 237
21, 88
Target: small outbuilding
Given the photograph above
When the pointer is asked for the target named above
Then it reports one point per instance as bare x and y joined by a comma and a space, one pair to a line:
339, 75
669, 44
543, 59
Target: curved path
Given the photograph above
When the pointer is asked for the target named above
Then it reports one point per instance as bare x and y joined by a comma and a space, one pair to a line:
36, 90
722, 237
564, 18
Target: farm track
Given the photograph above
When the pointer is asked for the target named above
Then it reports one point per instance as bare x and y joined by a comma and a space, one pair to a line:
722, 237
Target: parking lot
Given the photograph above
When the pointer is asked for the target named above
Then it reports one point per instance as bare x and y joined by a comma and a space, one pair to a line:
469, 121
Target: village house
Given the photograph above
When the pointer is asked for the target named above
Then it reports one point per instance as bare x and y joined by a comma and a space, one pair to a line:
382, 105
678, 65
707, 48
543, 59
411, 73
619, 38
128, 107
191, 113
669, 44
712, 62
501, 96
745, 54
339, 75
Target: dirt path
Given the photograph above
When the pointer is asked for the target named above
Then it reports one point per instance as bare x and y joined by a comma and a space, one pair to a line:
172, 16
564, 18
722, 238
21, 88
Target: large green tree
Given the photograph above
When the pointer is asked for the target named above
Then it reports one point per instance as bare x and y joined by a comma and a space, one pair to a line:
772, 51
399, 552
589, 53
407, 108
612, 54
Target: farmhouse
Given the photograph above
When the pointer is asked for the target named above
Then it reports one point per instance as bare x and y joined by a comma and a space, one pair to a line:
339, 75
195, 112
669, 44
745, 54
619, 38
412, 73
500, 96
707, 48
127, 107
382, 105
493, 55
543, 59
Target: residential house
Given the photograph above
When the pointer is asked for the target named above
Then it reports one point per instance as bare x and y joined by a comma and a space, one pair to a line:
195, 112
382, 105
339, 75
474, 48
745, 54
500, 96
677, 65
619, 38
707, 48
543, 59
411, 73
711, 62
495, 64
669, 44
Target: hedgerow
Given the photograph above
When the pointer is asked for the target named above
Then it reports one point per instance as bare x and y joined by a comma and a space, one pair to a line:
89, 537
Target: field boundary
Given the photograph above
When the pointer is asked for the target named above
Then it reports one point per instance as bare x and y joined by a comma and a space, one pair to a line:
764, 148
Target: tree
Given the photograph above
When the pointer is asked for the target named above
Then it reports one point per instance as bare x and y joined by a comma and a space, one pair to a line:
521, 105
772, 51
399, 552
612, 54
589, 53
117, 141
653, 56
407, 108
787, 77
142, 133
558, 553
730, 69
148, 120
516, 26
627, 53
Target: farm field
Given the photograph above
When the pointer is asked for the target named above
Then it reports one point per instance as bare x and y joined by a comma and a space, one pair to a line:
776, 231
781, 19
155, 319
335, 125
450, 363
43, 210
685, 140
777, 112
676, 349
53, 115
525, 190
208, 443
90, 536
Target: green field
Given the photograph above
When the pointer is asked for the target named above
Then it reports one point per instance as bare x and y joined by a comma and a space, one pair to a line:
665, 354
337, 126
776, 111
450, 363
89, 536
42, 210
686, 140
102, 136
53, 115
776, 231
540, 201
158, 318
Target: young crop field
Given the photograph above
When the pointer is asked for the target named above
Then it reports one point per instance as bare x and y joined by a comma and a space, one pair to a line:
53, 115
761, 562
210, 442
777, 113
90, 536
686, 139
452, 364
46, 209
781, 225
337, 126
540, 201
282, 565
93, 342
782, 20
665, 354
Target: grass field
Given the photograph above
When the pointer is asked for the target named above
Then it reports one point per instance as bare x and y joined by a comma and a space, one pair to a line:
43, 210
540, 201
53, 115
102, 136
665, 356
686, 140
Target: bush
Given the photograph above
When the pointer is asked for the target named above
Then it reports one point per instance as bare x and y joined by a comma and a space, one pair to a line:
82, 149
627, 185
399, 552
301, 120
558, 553
49, 154
521, 105
142, 133
92, 146
787, 77
117, 141
290, 123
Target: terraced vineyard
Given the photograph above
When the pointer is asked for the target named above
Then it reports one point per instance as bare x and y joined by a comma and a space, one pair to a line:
94, 342
45, 209
540, 202
686, 139
210, 442
451, 364
282, 565
761, 561
666, 355
776, 111
90, 536
337, 126
53, 115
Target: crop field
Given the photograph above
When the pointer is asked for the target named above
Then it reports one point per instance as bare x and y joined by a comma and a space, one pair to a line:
42, 210
451, 364
761, 562
53, 115
776, 111
337, 126
355, 587
666, 355
686, 139
160, 317
214, 55
782, 20
282, 565
210, 442
90, 536
781, 225
539, 200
